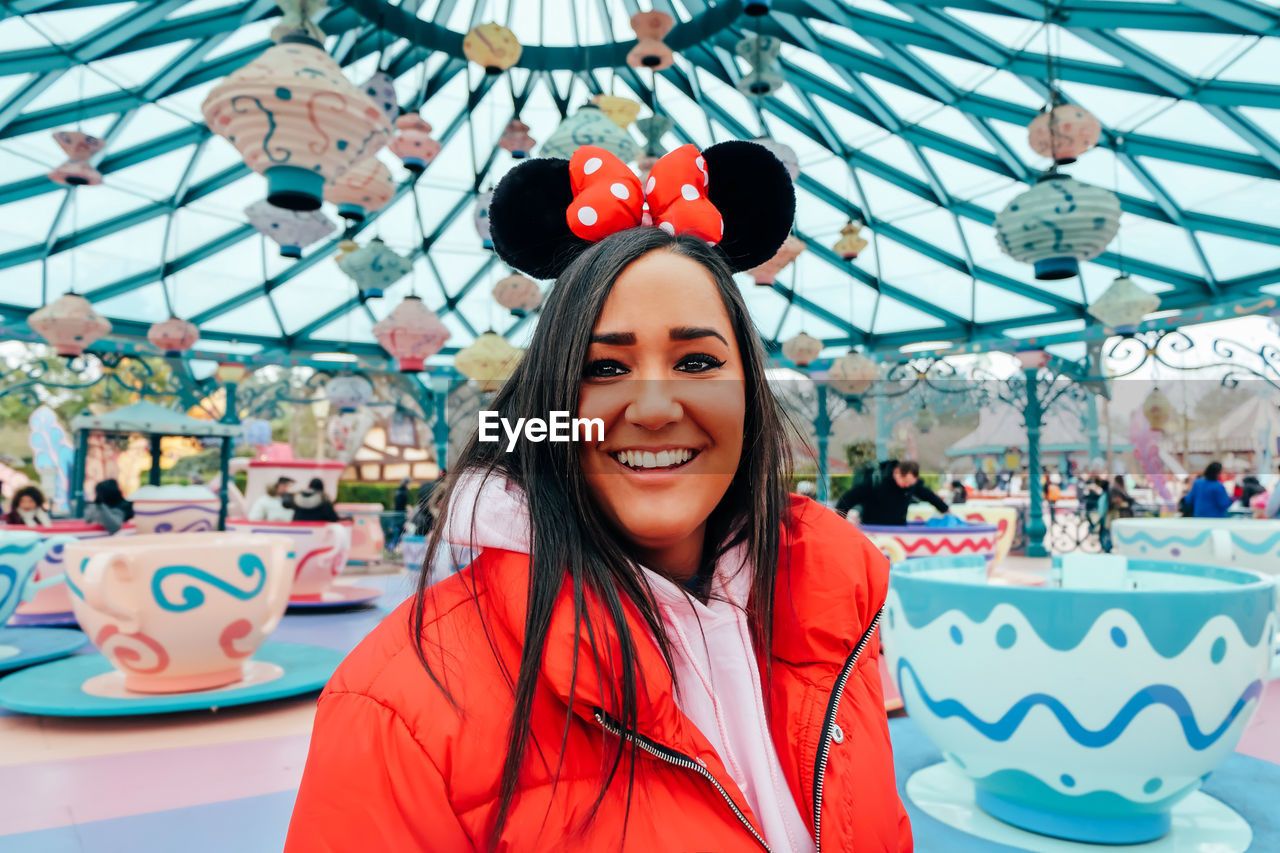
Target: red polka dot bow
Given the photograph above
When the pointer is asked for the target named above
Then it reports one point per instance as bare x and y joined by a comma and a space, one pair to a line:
607, 197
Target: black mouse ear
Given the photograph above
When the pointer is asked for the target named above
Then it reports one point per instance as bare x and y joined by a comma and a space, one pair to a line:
527, 218
753, 192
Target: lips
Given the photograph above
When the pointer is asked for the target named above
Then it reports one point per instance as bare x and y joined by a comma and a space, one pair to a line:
668, 459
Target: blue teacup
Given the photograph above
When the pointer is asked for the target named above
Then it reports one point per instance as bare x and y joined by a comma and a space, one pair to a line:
20, 552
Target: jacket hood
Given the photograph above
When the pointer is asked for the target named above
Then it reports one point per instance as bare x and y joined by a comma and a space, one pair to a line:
488, 511
308, 500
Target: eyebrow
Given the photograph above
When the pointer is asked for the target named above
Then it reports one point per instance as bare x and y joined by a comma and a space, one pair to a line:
680, 333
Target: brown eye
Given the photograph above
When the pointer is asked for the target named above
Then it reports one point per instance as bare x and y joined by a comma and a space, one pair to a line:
605, 368
698, 363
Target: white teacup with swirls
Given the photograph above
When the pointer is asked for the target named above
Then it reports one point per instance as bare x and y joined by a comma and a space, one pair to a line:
181, 611
175, 509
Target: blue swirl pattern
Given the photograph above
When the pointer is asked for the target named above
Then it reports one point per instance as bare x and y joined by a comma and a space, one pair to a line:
1156, 694
192, 596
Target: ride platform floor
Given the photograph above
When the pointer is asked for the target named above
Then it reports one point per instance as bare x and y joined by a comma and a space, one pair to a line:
212, 782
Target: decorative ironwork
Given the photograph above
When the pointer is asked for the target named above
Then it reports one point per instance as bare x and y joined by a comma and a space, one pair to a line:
1168, 348
116, 373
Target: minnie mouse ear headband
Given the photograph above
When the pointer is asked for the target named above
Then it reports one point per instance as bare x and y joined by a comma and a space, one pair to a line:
735, 195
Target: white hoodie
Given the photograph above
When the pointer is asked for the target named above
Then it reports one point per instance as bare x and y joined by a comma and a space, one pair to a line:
718, 682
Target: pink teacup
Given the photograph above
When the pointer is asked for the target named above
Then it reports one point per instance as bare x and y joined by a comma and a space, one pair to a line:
180, 611
320, 549
175, 509
56, 598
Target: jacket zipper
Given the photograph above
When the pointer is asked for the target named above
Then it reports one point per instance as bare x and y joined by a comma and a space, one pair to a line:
680, 760
833, 705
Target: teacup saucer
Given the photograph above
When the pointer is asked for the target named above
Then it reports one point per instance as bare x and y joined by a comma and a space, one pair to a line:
55, 619
88, 686
26, 646
335, 597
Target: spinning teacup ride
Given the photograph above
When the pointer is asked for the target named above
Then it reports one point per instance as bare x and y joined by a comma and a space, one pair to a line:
1090, 709
181, 622
319, 554
51, 604
21, 554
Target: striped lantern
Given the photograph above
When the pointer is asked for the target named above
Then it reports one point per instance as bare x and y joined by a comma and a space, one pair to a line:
291, 229
413, 143
518, 294
297, 120
362, 190
1058, 223
411, 334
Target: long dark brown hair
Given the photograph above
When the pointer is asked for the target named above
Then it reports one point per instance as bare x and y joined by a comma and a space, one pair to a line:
591, 554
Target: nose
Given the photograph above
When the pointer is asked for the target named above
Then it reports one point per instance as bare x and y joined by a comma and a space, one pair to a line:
653, 404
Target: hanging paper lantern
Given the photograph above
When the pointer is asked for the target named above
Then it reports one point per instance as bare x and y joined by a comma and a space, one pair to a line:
518, 294
589, 126
850, 244
381, 89
173, 336
1031, 359
1123, 305
767, 273
413, 143
621, 111
783, 152
489, 360
411, 334
481, 218
294, 118
760, 52
255, 431
69, 325
650, 52
1064, 133
374, 267
852, 374
802, 349
77, 171
1058, 223
493, 47
366, 187
291, 229
348, 392
1157, 409
517, 140
925, 420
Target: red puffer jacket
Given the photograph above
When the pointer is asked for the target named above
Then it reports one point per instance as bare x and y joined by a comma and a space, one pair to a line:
394, 767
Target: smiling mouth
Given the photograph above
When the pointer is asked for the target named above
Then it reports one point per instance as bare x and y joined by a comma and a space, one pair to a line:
648, 460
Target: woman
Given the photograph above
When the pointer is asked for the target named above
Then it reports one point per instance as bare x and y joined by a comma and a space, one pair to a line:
1208, 497
27, 508
109, 508
655, 642
312, 504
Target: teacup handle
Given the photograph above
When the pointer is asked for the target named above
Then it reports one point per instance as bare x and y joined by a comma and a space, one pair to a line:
32, 585
279, 554
94, 576
1223, 548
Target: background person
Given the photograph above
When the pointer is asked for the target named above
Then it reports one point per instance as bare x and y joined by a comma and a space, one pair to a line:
312, 504
1208, 498
885, 502
27, 508
109, 508
270, 505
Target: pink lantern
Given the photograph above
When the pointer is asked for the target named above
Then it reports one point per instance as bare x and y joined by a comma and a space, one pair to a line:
518, 294
294, 118
650, 51
767, 273
69, 325
517, 140
77, 171
1064, 133
411, 333
363, 189
413, 144
1032, 359
173, 336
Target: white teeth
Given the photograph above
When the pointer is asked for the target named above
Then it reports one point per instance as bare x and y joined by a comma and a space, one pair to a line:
647, 459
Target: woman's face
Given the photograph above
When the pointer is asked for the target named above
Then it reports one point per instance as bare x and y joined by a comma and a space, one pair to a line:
27, 504
665, 375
